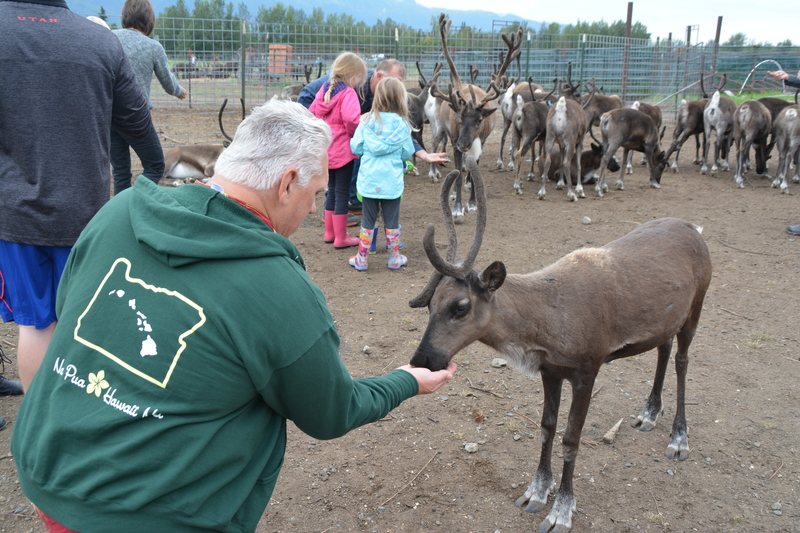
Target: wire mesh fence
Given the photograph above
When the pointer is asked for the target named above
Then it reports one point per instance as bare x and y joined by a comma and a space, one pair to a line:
228, 59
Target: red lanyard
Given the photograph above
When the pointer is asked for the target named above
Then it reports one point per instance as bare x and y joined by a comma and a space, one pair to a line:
247, 206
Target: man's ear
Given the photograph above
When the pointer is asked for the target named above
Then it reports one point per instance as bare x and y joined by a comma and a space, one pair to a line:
287, 184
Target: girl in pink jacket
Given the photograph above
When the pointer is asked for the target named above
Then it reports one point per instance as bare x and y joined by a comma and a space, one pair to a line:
337, 104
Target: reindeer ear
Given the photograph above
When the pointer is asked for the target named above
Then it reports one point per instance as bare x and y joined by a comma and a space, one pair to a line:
486, 112
493, 277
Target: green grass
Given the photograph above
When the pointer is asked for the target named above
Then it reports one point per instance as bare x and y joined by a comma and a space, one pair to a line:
755, 95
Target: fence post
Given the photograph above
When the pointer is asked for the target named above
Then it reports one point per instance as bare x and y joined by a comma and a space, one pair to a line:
528, 58
583, 54
716, 44
627, 51
242, 63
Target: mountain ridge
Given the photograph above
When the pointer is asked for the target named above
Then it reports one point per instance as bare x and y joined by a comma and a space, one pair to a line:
406, 12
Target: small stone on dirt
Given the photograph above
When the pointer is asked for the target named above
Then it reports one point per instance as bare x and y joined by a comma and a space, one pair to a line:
499, 363
587, 220
471, 447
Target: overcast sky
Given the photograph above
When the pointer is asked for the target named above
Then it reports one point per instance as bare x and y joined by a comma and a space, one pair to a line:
772, 21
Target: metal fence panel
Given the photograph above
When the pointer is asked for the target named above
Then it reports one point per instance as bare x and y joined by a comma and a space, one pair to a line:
277, 55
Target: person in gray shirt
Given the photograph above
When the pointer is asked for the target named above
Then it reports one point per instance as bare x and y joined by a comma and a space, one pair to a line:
67, 82
146, 56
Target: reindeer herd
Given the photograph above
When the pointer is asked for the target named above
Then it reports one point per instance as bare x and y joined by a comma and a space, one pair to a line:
559, 121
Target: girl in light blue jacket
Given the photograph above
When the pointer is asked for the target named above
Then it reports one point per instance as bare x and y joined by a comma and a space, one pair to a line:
383, 142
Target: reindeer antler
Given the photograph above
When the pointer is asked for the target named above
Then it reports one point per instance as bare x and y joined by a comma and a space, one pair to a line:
449, 266
444, 30
451, 97
591, 96
219, 118
423, 81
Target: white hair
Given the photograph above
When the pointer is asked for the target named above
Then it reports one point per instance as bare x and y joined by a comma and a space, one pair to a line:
276, 136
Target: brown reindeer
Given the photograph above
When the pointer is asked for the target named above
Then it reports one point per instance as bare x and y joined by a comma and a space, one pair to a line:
470, 118
690, 122
530, 127
566, 125
752, 124
591, 161
786, 135
194, 162
417, 114
652, 111
291, 92
508, 107
632, 130
647, 289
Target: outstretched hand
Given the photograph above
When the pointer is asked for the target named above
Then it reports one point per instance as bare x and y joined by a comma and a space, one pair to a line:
430, 381
433, 159
778, 74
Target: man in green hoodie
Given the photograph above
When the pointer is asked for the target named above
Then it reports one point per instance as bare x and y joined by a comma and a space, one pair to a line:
188, 333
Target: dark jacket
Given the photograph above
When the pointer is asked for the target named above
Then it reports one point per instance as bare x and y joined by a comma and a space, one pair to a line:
66, 82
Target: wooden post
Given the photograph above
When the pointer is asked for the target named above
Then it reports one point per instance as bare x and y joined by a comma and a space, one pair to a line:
716, 44
627, 51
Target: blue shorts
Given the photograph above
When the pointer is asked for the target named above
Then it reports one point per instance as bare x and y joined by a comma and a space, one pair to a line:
29, 277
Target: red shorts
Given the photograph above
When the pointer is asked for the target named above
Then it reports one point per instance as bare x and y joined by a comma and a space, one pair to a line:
51, 525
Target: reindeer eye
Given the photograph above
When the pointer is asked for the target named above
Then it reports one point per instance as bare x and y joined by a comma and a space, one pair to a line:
460, 308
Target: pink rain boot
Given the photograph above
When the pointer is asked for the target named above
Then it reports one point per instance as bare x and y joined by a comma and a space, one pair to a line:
360, 259
329, 234
396, 260
342, 239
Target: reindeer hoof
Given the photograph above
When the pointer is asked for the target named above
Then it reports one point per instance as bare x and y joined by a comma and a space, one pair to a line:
796, 179
655, 185
472, 206
531, 177
775, 183
785, 189
629, 170
571, 196
510, 165
560, 185
678, 448
674, 168
620, 186
703, 170
541, 194
740, 183
518, 190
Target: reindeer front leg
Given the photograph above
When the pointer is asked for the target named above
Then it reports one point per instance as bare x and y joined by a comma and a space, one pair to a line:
541, 486
559, 519
458, 208
679, 437
647, 418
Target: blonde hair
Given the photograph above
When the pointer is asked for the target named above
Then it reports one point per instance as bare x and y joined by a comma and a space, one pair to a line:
347, 68
390, 97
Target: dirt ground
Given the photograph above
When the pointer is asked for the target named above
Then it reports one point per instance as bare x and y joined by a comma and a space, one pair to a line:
411, 473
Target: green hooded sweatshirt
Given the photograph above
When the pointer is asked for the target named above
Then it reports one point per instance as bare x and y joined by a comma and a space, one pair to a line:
188, 334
